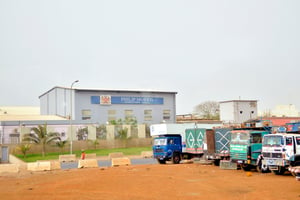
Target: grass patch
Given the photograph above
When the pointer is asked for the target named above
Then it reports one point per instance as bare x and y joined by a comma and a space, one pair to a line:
99, 152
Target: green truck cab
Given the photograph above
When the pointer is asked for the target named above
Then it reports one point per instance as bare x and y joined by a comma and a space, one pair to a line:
246, 147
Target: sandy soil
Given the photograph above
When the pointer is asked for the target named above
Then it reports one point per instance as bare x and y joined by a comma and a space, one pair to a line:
141, 182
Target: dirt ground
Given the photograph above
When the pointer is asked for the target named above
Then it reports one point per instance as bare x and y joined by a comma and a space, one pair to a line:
148, 182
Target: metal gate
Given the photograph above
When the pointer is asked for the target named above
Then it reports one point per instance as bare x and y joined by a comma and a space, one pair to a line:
4, 154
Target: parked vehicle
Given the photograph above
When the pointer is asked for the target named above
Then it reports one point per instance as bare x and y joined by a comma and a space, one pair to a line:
218, 143
174, 142
246, 147
293, 127
295, 171
281, 151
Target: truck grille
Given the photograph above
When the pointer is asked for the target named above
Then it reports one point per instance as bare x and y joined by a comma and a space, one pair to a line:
272, 155
158, 150
238, 156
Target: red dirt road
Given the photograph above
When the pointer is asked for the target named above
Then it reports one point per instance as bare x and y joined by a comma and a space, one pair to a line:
148, 182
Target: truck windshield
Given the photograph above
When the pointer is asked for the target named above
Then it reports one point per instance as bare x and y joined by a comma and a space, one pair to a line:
239, 138
256, 138
273, 140
160, 141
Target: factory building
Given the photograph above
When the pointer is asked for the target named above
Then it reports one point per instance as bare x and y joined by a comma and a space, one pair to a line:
102, 106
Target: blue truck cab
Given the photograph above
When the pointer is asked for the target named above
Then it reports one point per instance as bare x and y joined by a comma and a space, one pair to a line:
167, 148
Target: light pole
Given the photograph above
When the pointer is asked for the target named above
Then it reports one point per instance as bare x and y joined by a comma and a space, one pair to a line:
70, 119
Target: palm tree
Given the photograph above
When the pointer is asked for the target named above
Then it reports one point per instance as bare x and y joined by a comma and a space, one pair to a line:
41, 136
122, 135
61, 144
95, 143
24, 148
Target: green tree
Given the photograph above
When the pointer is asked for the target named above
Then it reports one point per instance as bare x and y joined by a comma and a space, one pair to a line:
101, 132
95, 143
82, 133
127, 121
122, 133
41, 136
61, 144
208, 110
24, 148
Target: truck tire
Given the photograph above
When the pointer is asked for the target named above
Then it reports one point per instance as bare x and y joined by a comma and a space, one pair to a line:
216, 162
161, 161
262, 168
280, 171
246, 167
176, 158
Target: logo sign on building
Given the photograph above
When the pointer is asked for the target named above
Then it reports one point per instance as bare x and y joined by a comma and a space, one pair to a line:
108, 100
105, 99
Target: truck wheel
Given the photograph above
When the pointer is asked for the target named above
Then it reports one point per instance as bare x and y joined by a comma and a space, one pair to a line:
176, 158
262, 168
161, 161
217, 162
280, 171
246, 167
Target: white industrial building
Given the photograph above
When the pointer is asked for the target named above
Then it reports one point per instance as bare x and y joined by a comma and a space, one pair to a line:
104, 105
237, 111
89, 108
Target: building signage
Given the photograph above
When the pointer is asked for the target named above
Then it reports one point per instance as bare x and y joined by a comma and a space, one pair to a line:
107, 100
136, 100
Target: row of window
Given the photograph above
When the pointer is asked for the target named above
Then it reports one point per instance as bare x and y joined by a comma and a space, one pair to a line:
86, 114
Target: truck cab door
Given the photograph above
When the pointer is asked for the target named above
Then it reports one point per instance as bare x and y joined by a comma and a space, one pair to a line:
290, 149
174, 144
297, 144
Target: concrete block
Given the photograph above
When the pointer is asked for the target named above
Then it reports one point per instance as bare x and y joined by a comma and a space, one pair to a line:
227, 164
202, 161
55, 165
147, 154
116, 155
14, 160
90, 156
39, 166
67, 158
120, 161
87, 163
11, 168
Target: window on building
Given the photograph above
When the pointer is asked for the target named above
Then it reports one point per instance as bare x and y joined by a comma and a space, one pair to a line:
147, 115
166, 114
111, 115
111, 112
129, 114
86, 114
14, 138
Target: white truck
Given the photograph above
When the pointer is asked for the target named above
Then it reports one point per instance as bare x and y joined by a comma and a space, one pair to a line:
281, 151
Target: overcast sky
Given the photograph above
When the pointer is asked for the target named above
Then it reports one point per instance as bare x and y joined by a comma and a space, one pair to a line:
209, 50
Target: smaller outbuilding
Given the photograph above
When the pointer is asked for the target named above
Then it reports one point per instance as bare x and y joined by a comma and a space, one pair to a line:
237, 111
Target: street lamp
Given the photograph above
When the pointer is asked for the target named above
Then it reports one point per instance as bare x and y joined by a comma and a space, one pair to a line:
70, 119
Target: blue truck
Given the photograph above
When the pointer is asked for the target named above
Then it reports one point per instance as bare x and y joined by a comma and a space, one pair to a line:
175, 142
